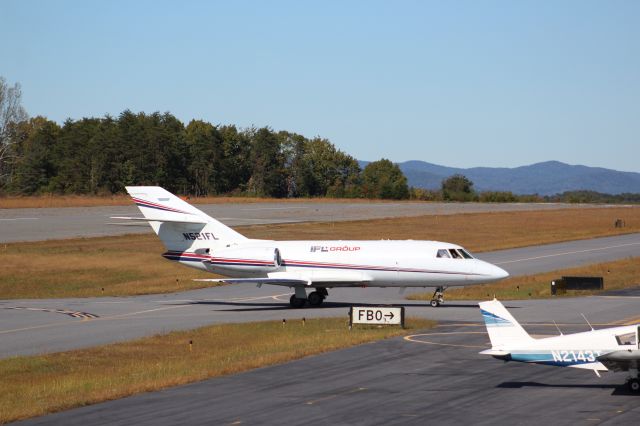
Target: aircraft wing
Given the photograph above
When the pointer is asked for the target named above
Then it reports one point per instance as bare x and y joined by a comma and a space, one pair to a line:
620, 360
616, 365
295, 280
274, 281
184, 219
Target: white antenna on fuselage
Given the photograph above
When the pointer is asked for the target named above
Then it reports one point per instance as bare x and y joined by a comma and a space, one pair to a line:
585, 318
559, 331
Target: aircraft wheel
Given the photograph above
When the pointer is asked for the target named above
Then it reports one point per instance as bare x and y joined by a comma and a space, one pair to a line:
634, 385
438, 297
315, 298
295, 302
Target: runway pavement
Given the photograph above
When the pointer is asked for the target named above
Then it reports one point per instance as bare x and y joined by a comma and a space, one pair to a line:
38, 326
436, 377
55, 223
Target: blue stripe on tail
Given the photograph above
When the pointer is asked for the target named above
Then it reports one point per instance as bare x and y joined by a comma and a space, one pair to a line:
493, 320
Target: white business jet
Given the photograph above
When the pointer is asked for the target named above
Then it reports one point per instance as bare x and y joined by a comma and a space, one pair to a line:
197, 240
598, 350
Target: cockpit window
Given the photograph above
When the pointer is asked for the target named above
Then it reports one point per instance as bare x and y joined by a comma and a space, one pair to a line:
465, 253
443, 253
455, 254
626, 339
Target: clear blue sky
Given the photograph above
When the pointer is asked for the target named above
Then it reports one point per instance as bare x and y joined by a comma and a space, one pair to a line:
458, 83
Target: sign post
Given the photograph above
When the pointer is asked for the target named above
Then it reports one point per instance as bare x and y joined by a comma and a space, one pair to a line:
376, 315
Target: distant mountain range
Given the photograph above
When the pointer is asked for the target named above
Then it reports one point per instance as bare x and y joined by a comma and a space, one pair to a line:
547, 178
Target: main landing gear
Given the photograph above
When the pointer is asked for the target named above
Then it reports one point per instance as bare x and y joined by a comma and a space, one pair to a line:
295, 302
438, 297
315, 298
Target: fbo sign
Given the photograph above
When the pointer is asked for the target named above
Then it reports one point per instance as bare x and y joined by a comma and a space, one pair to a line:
377, 315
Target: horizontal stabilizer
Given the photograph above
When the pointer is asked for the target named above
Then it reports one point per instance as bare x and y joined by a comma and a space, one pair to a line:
186, 219
494, 352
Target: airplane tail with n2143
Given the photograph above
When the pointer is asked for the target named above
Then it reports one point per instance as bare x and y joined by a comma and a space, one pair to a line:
195, 239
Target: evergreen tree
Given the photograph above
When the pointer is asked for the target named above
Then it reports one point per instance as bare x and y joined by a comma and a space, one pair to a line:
267, 175
205, 157
75, 155
235, 167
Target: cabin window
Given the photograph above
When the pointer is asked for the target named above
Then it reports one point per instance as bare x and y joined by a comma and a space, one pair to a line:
626, 339
443, 253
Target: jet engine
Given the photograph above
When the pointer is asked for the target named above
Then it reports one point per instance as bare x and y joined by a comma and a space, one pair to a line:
253, 259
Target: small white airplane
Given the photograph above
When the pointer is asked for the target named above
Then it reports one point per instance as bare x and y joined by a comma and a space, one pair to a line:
195, 239
615, 349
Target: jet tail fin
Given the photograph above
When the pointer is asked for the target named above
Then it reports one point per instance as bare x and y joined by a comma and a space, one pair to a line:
179, 225
502, 327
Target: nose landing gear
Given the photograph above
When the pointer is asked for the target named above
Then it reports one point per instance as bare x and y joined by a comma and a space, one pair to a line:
438, 297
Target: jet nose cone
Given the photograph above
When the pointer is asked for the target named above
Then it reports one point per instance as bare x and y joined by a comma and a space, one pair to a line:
490, 272
499, 273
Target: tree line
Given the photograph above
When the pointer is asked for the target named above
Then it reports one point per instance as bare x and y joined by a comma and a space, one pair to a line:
103, 155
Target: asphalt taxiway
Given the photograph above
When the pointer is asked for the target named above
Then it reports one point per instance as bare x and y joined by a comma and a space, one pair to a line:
434, 377
38, 326
36, 224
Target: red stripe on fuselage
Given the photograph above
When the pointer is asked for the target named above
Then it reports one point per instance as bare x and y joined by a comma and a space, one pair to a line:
306, 264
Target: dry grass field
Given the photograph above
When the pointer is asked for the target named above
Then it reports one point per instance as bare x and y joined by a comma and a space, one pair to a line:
132, 264
37, 385
125, 265
475, 231
620, 274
